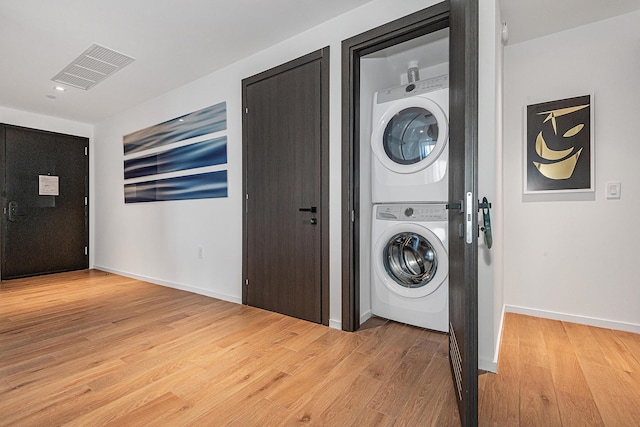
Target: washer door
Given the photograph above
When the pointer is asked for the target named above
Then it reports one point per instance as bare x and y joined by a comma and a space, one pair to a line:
410, 260
410, 135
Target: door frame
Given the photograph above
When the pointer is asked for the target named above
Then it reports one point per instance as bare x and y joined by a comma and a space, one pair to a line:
321, 55
461, 16
409, 27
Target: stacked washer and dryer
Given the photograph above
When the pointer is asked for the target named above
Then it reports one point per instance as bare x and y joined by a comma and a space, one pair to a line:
409, 234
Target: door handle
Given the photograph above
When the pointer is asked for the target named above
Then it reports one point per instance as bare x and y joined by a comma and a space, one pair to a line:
312, 209
486, 222
13, 214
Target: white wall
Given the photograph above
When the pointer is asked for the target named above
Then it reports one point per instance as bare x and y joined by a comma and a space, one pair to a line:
158, 241
52, 124
48, 123
375, 74
489, 184
576, 260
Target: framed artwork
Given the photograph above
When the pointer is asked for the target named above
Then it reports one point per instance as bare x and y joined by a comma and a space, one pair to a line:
180, 159
559, 148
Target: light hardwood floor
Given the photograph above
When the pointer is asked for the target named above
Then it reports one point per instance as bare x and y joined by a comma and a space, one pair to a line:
553, 373
90, 348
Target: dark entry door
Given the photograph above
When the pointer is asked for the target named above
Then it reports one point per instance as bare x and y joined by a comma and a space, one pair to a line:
45, 226
285, 140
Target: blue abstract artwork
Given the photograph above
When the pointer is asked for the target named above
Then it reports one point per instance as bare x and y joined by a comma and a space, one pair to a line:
202, 122
179, 159
205, 153
199, 186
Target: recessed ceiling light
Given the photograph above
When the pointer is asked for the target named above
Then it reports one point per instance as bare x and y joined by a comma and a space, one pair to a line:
59, 88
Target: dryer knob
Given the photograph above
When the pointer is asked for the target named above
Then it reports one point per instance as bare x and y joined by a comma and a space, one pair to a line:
408, 212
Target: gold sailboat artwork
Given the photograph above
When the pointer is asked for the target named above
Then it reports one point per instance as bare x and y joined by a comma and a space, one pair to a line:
562, 169
559, 170
552, 114
548, 154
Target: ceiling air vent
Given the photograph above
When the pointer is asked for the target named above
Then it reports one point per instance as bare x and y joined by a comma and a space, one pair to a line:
94, 65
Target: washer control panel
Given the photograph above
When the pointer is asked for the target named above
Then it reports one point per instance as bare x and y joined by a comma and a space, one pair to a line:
422, 212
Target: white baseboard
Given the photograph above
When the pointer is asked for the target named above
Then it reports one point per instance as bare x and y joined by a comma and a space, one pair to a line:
498, 341
573, 318
337, 324
173, 285
365, 316
488, 365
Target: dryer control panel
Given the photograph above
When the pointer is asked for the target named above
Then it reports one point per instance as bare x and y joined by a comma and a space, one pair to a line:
422, 212
412, 89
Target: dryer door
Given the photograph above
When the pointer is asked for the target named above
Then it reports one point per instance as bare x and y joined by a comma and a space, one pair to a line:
410, 135
412, 260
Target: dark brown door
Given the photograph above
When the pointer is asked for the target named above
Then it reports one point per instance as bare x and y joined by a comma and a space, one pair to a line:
463, 199
45, 225
285, 189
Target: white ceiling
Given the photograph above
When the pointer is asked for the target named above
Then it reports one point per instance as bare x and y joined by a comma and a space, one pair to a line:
173, 41
177, 41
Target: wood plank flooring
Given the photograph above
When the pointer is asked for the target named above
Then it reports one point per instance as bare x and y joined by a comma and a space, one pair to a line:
90, 348
553, 373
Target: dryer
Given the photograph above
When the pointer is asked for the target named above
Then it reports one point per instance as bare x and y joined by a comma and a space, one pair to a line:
410, 264
409, 141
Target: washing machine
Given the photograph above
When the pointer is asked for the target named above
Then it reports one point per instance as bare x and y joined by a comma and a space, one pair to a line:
410, 264
410, 142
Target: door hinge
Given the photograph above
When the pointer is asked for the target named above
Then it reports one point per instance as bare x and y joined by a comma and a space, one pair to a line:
246, 282
86, 149
85, 201
353, 216
246, 110
86, 251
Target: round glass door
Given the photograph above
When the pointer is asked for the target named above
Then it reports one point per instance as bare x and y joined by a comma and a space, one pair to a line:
410, 260
410, 136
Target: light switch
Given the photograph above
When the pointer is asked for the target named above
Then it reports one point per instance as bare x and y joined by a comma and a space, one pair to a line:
613, 189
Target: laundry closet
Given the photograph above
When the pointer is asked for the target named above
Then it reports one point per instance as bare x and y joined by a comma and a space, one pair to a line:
404, 109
